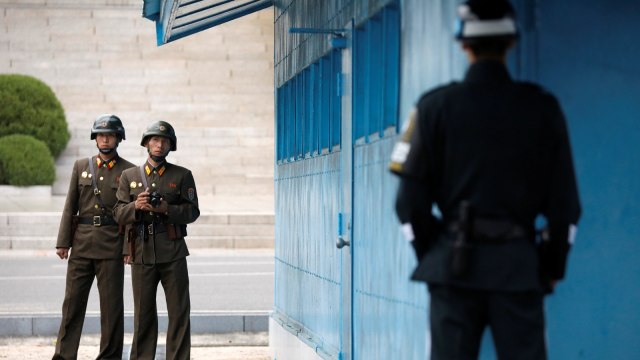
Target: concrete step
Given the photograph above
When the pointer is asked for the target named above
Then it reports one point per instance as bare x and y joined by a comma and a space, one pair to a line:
210, 322
38, 230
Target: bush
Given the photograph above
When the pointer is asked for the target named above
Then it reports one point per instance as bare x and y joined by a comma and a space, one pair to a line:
24, 161
29, 107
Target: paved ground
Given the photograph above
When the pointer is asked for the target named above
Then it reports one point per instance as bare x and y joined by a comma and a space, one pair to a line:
204, 347
220, 280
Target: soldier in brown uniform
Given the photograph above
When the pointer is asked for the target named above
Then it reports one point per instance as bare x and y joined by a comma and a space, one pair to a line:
156, 201
88, 228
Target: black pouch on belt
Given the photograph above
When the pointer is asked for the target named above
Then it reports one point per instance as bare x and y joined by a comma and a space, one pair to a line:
460, 255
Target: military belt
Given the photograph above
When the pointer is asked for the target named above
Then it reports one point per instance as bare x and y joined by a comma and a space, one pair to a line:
97, 221
492, 231
155, 227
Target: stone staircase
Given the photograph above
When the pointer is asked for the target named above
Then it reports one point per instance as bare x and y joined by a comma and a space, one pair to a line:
215, 88
38, 230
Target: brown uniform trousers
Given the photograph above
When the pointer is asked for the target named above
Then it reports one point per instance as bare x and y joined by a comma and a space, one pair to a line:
96, 251
157, 246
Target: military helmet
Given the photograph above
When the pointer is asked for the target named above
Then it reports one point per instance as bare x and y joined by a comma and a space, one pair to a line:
486, 18
160, 128
107, 123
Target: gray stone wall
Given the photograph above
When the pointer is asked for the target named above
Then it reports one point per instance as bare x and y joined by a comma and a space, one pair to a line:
100, 56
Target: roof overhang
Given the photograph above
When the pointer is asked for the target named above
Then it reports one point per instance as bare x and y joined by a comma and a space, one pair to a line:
176, 19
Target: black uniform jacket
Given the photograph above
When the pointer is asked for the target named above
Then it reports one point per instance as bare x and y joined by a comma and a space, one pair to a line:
177, 186
503, 146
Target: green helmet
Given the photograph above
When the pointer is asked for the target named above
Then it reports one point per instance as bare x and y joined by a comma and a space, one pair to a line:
107, 123
160, 128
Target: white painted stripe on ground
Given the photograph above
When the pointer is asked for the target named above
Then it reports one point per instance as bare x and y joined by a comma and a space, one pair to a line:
62, 277
193, 264
130, 313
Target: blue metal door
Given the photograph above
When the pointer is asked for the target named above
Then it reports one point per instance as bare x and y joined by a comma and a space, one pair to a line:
345, 218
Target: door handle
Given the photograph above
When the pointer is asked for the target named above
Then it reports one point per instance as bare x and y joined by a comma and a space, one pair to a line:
341, 242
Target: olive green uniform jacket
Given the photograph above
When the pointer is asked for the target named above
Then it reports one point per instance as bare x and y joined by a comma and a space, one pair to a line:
177, 187
89, 241
96, 252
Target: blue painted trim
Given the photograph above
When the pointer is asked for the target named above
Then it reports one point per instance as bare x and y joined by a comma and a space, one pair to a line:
246, 10
159, 34
151, 10
164, 30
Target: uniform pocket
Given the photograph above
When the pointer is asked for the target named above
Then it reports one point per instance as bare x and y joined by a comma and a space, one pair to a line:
172, 197
84, 182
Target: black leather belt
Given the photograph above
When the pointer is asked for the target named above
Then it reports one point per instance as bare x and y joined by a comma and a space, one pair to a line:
156, 227
489, 230
97, 221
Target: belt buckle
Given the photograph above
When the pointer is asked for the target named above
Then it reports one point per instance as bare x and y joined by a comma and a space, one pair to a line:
97, 221
150, 229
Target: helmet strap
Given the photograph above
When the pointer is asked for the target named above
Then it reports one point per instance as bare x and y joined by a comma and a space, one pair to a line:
156, 158
107, 151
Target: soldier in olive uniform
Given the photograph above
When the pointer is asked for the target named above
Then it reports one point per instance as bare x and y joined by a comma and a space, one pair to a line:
493, 154
156, 201
89, 237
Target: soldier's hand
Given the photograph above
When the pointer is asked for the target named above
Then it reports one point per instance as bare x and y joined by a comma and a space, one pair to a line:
127, 259
62, 252
142, 201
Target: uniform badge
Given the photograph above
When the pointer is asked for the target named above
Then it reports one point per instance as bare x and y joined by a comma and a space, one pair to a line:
162, 128
104, 123
133, 185
89, 176
140, 184
84, 175
400, 152
191, 193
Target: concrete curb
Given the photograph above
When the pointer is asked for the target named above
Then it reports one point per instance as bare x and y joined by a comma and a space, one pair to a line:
222, 322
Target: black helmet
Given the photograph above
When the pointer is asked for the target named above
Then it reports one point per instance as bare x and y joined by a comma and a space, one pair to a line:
160, 128
486, 18
107, 123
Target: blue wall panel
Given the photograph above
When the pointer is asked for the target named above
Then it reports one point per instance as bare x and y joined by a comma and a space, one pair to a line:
308, 267
429, 56
390, 312
589, 61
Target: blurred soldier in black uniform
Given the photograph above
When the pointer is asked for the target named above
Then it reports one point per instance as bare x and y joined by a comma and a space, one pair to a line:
492, 154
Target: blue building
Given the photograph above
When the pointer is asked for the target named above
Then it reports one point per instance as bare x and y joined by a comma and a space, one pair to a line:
346, 74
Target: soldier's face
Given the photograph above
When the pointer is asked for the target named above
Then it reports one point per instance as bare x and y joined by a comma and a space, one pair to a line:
106, 140
159, 145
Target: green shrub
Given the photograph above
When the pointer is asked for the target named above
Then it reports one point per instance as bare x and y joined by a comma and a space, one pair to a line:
29, 107
24, 161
